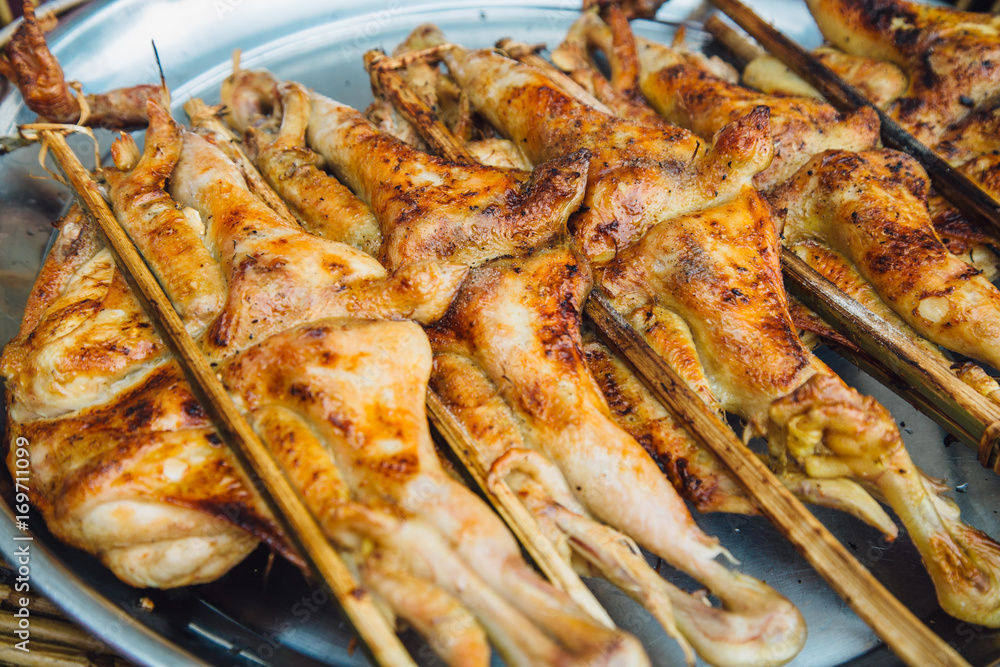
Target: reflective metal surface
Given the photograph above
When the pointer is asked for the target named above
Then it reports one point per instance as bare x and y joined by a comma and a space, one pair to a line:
256, 617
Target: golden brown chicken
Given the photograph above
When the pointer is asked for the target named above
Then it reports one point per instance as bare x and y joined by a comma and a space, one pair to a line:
690, 96
509, 364
705, 290
875, 185
132, 471
871, 209
949, 56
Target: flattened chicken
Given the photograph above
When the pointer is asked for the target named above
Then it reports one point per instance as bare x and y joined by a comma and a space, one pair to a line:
950, 57
705, 290
691, 97
135, 474
510, 365
871, 253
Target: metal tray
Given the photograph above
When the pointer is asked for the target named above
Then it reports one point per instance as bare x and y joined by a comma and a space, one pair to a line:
258, 615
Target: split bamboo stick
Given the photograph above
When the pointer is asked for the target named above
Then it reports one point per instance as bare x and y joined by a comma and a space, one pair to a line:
896, 625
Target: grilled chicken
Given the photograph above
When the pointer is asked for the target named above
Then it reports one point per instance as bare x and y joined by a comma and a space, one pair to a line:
667, 172
948, 55
714, 278
875, 184
871, 208
691, 97
28, 64
277, 147
509, 364
134, 473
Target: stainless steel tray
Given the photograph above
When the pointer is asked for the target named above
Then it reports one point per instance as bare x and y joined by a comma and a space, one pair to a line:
248, 618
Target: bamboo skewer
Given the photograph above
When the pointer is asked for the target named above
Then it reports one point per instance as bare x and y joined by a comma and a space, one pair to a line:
388, 81
903, 632
260, 468
973, 413
742, 48
513, 512
966, 195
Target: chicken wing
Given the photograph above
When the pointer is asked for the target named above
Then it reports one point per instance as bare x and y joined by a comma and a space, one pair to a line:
638, 174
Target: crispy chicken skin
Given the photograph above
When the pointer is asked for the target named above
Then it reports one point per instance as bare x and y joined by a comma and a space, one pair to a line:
871, 208
950, 56
510, 364
29, 65
691, 97
638, 174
